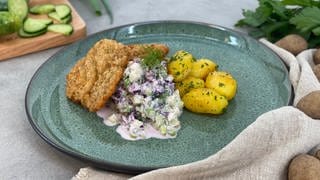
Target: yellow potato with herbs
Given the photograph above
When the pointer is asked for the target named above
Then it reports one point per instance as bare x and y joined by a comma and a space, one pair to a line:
223, 83
205, 100
189, 83
180, 65
202, 67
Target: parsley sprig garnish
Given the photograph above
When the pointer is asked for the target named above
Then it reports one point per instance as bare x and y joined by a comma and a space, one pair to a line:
275, 19
152, 57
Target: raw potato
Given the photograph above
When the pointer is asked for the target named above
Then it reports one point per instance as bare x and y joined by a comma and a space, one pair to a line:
310, 104
189, 83
202, 67
205, 100
316, 70
304, 167
180, 65
223, 83
293, 43
316, 57
317, 155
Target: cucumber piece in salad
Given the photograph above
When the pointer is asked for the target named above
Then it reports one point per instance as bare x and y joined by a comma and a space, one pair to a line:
42, 9
65, 29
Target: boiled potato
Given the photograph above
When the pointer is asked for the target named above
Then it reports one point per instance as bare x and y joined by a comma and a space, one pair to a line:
205, 100
189, 83
180, 65
202, 67
223, 83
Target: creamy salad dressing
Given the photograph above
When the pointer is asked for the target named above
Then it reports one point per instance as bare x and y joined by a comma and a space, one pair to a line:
107, 112
149, 131
146, 105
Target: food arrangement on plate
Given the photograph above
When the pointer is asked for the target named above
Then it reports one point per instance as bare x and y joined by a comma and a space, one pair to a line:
138, 88
70, 128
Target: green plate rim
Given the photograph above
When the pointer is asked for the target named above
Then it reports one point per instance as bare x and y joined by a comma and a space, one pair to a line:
116, 167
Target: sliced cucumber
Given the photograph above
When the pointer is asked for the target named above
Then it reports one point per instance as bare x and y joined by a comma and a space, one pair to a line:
65, 29
55, 16
34, 25
63, 10
24, 34
18, 7
42, 9
45, 21
66, 20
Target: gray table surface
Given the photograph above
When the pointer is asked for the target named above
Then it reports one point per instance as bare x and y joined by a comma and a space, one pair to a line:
23, 154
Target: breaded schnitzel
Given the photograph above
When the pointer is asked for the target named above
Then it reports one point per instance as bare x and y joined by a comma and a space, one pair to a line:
94, 78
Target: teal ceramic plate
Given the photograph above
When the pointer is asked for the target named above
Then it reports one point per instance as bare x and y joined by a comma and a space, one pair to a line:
262, 79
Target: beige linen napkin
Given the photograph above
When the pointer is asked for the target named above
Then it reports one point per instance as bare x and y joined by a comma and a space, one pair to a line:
263, 150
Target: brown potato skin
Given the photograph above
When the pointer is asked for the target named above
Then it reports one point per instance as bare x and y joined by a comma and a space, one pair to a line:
293, 43
316, 57
310, 104
316, 71
304, 167
317, 155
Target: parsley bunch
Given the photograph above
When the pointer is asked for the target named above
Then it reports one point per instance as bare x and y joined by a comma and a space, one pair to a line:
275, 19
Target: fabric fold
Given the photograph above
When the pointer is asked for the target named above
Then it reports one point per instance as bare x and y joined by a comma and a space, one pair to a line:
308, 81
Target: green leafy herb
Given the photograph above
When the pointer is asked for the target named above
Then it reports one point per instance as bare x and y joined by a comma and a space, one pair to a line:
307, 19
275, 19
316, 31
303, 3
152, 57
255, 19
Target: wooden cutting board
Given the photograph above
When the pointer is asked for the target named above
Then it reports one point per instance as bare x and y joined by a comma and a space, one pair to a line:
13, 46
